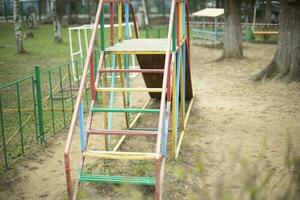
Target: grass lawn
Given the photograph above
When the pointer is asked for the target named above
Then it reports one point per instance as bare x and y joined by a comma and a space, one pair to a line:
41, 50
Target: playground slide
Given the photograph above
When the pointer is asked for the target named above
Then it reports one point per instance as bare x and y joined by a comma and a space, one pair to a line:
148, 61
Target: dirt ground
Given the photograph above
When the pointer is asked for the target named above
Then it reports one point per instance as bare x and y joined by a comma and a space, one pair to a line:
242, 142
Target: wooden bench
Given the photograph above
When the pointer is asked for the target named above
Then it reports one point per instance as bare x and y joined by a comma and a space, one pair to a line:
266, 33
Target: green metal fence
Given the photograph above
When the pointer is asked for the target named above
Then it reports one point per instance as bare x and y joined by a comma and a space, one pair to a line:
37, 107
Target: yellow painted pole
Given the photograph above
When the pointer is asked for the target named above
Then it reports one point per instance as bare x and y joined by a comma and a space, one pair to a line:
123, 92
120, 20
174, 128
180, 20
104, 100
182, 97
120, 155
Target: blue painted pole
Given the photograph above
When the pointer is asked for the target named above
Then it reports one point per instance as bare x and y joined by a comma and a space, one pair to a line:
81, 127
126, 57
126, 21
183, 66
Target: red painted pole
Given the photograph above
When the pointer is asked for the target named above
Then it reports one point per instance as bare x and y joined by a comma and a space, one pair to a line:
111, 20
134, 20
169, 90
92, 72
78, 102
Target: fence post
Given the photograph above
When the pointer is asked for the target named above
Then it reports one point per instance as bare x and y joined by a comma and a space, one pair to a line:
3, 134
37, 75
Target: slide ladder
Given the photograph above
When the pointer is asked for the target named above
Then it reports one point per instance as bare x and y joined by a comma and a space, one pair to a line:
165, 68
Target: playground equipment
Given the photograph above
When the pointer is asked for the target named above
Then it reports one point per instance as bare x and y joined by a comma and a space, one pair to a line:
81, 50
213, 30
216, 35
165, 67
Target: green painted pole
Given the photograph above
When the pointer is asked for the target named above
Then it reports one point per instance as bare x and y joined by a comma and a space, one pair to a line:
34, 109
20, 116
37, 72
51, 101
174, 35
62, 95
102, 31
70, 85
3, 134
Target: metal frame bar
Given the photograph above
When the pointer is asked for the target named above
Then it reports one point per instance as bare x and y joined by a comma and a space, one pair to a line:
176, 56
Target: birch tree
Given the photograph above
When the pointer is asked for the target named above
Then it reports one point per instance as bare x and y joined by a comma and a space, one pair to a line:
18, 27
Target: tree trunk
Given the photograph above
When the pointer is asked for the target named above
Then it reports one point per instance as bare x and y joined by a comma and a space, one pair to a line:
233, 34
57, 16
18, 27
268, 13
286, 62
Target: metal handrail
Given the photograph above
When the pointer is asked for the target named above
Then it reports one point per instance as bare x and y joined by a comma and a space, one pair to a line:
79, 99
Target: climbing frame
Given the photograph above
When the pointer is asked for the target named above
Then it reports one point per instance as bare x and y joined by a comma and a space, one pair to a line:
165, 68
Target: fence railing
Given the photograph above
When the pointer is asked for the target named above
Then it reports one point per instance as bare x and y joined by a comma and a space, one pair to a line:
35, 108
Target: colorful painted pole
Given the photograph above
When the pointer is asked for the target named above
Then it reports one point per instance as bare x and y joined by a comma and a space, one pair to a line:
39, 102
81, 127
102, 32
111, 10
3, 133
112, 97
120, 14
126, 57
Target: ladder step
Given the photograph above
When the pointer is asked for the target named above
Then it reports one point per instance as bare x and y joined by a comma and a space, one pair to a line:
117, 155
151, 71
105, 179
129, 90
126, 110
76, 53
122, 132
